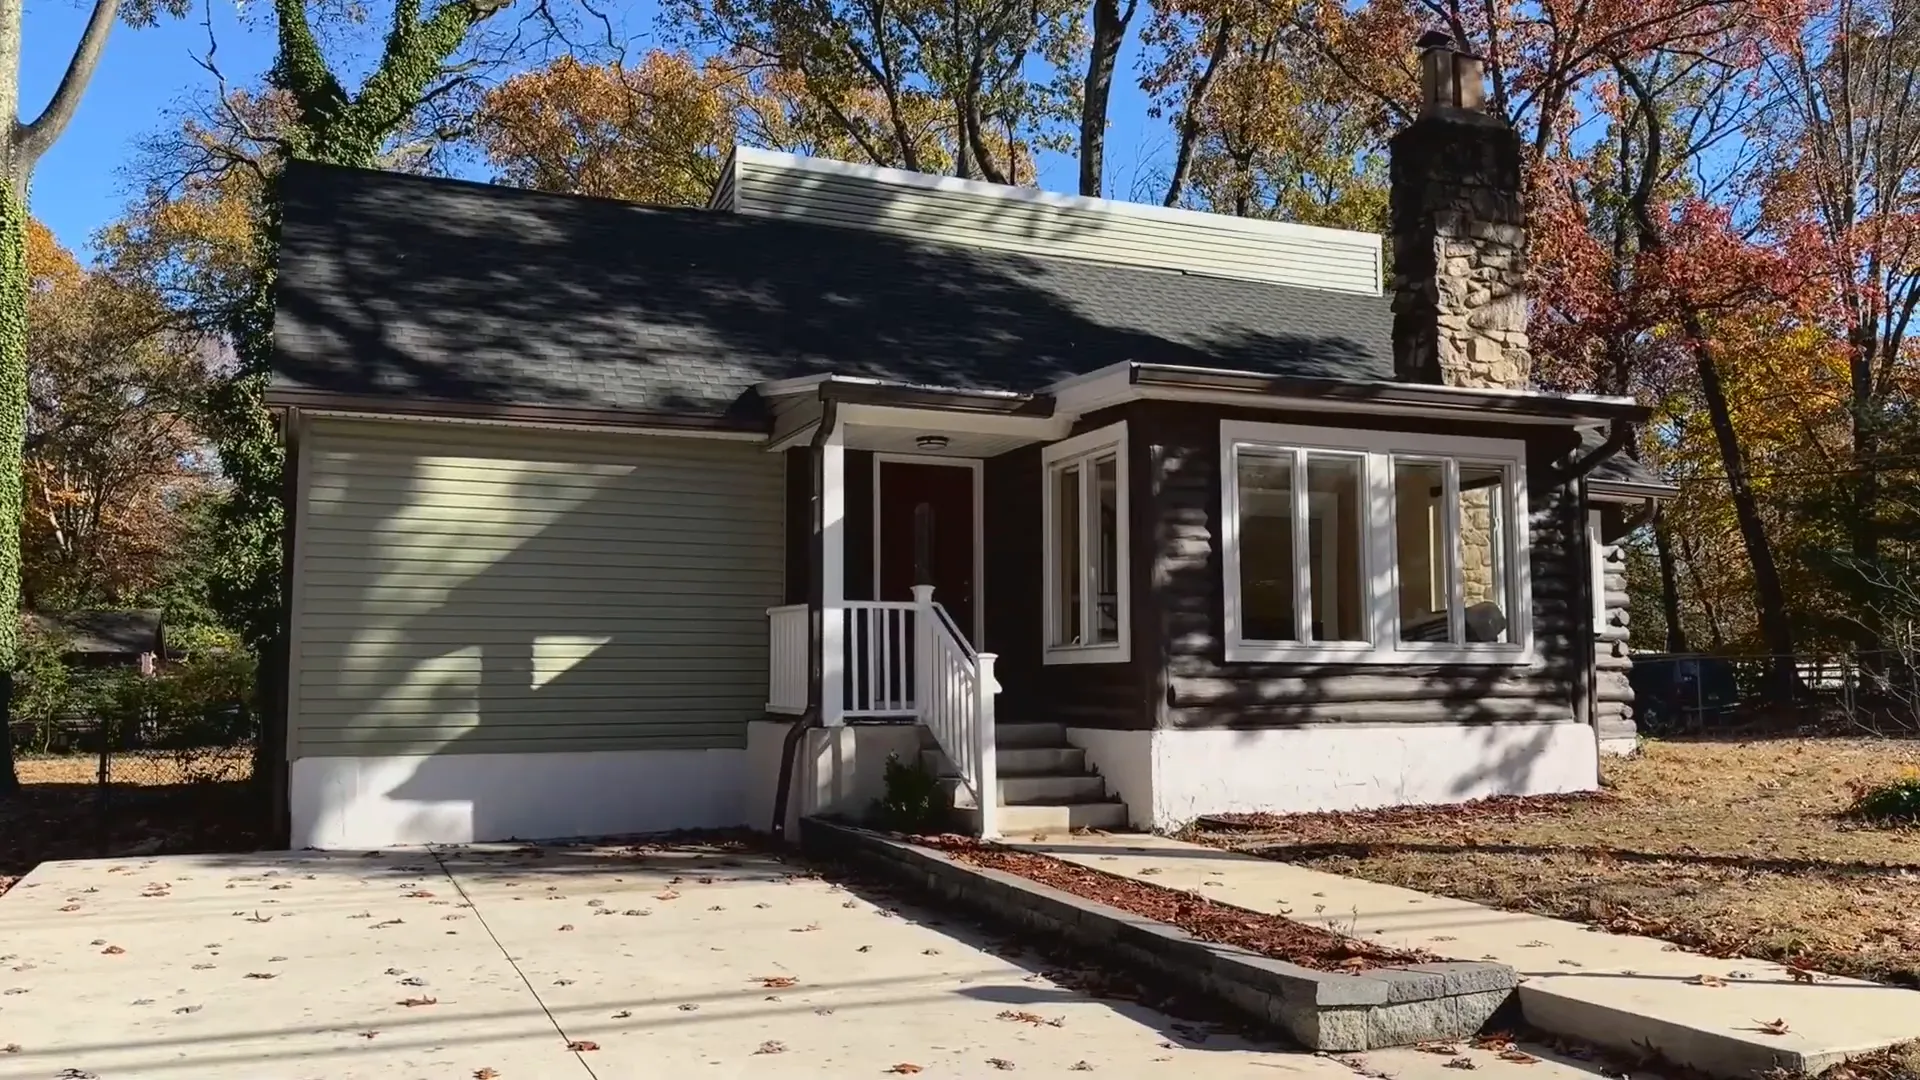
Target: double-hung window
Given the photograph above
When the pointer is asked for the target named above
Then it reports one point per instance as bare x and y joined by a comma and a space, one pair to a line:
1372, 547
1084, 536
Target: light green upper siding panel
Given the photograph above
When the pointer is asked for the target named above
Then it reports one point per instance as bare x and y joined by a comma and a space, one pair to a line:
970, 213
470, 589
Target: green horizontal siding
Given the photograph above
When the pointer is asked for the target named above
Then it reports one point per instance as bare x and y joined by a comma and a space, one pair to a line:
466, 589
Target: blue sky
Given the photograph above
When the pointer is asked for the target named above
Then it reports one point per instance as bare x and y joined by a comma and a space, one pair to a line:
79, 185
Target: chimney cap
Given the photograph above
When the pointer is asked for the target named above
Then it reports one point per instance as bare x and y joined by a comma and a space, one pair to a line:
1435, 39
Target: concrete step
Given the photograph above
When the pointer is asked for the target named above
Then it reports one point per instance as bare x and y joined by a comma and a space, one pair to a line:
1022, 822
1038, 761
1052, 736
1032, 790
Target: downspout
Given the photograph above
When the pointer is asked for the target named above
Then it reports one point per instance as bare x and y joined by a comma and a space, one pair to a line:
829, 419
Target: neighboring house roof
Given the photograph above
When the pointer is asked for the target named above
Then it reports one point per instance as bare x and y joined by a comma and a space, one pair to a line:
1619, 475
401, 286
105, 633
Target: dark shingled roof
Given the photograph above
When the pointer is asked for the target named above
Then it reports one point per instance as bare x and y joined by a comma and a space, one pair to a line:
105, 633
426, 288
1619, 469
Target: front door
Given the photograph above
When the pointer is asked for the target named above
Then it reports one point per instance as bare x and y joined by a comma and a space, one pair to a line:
926, 536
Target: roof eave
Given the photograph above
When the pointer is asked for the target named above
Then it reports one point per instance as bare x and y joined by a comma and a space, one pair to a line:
1519, 405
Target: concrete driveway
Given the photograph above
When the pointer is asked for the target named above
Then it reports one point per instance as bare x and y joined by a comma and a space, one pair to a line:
558, 961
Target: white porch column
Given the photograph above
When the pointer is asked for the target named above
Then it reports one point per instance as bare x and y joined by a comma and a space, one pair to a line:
833, 576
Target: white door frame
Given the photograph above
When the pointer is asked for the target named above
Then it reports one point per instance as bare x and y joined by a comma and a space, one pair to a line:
979, 529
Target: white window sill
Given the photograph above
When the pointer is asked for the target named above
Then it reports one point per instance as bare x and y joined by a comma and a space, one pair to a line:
1273, 652
1085, 654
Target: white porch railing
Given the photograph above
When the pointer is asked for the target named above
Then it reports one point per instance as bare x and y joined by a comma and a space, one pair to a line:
787, 659
902, 660
956, 703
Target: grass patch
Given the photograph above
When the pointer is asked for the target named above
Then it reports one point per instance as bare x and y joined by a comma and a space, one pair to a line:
1736, 848
1895, 803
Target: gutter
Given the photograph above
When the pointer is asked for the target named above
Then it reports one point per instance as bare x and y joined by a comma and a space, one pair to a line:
1474, 401
950, 399
816, 602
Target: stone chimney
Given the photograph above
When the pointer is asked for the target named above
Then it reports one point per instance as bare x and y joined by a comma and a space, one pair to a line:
1459, 233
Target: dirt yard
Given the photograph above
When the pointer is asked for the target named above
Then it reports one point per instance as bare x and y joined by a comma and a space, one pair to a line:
1733, 848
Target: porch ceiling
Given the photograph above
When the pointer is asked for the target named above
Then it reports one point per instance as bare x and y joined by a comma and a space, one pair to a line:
901, 440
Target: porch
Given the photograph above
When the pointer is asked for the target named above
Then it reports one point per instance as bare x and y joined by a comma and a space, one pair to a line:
887, 621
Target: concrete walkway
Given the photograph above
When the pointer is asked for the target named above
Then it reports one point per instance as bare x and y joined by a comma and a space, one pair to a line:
672, 961
1603, 988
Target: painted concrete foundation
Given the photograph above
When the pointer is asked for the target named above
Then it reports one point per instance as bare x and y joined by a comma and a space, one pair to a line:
839, 770
360, 802
1168, 777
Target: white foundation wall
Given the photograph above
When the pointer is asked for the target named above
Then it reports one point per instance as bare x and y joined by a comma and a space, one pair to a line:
837, 770
363, 802
1337, 767
1124, 760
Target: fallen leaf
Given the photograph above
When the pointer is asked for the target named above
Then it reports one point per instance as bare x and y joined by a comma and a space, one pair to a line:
636, 911
368, 1034
417, 894
1517, 1056
689, 1007
71, 907
566, 926
716, 907
485, 1074
1800, 975
623, 1014
414, 1001
14, 1048
772, 1046
260, 975
668, 895
804, 929
256, 917
864, 948
580, 1046
1024, 1017
1080, 1066
776, 982
1000, 1063
929, 952
1459, 1063
185, 1009
905, 1068
1446, 1048
112, 950
1706, 980
1771, 1027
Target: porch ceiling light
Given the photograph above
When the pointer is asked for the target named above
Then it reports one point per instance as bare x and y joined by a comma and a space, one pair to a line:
931, 442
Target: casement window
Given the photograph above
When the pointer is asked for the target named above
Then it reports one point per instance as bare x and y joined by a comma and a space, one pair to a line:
1084, 535
1349, 546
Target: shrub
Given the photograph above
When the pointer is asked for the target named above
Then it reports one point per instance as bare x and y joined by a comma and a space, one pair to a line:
911, 802
1893, 803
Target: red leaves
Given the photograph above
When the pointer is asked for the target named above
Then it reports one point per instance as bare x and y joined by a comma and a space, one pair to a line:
1024, 1017
905, 1068
485, 1074
775, 982
771, 1046
112, 950
581, 1046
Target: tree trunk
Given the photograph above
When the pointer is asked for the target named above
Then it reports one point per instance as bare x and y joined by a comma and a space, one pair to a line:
1669, 588
1863, 517
1769, 597
13, 416
1109, 33
1190, 115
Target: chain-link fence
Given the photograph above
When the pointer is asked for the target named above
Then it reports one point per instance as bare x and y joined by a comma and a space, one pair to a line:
132, 773
1697, 693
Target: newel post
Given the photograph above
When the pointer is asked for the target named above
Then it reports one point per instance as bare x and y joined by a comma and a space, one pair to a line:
923, 617
989, 793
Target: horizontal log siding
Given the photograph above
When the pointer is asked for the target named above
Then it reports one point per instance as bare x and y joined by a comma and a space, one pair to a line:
474, 590
1080, 695
1613, 713
1182, 443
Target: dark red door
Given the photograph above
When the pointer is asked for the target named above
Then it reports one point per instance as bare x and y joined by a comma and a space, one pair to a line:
926, 535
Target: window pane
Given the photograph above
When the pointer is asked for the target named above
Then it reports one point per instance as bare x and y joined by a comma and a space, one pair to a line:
1337, 545
1067, 575
1420, 549
1106, 551
1483, 551
1266, 546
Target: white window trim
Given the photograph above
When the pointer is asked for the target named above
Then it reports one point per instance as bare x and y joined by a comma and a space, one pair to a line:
1113, 438
1378, 563
1597, 554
